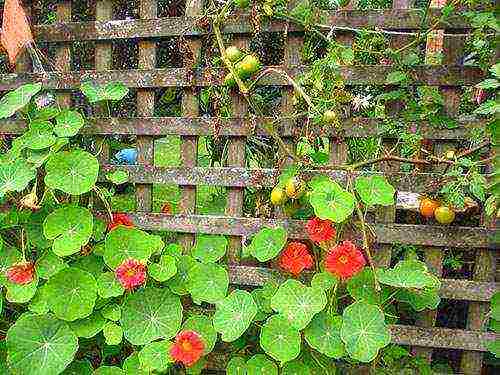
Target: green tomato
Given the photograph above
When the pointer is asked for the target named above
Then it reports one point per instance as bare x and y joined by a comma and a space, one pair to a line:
233, 53
444, 215
329, 117
242, 4
229, 80
248, 66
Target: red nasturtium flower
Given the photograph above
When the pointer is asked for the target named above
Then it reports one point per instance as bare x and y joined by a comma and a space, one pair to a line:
296, 258
21, 273
188, 348
120, 219
344, 260
320, 230
131, 273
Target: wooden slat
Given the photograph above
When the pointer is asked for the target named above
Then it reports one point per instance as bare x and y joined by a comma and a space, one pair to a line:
63, 54
241, 127
390, 19
426, 235
462, 290
181, 77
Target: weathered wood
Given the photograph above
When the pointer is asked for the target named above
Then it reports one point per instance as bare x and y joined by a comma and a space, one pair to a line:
426, 235
63, 53
463, 290
242, 127
389, 19
181, 77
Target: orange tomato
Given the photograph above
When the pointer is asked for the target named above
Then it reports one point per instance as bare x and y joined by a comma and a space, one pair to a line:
427, 207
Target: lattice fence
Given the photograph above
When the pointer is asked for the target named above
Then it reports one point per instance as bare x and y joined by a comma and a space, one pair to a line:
96, 25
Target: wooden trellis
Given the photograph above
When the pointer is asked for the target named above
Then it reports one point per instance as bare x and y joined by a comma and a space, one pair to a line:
450, 77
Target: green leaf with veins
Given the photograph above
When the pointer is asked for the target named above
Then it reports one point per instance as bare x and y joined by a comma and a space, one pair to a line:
117, 177
323, 334
409, 273
180, 282
73, 172
279, 339
112, 91
49, 264
15, 175
208, 282
108, 286
40, 345
163, 270
375, 190
70, 227
113, 333
72, 294
202, 325
236, 366
155, 356
18, 99
68, 123
364, 331
88, 327
298, 303
362, 287
260, 364
268, 243
159, 318
39, 137
330, 201
209, 248
21, 293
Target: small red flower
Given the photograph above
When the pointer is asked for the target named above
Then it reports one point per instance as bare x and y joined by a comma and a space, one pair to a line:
120, 219
296, 258
344, 260
21, 273
479, 95
131, 273
320, 230
188, 348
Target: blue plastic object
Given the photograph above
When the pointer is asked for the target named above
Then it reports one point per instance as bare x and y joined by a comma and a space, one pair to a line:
127, 156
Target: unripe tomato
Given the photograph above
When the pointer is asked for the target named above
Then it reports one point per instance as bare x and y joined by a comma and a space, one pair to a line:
427, 207
278, 196
450, 155
242, 4
294, 188
329, 117
249, 65
444, 215
229, 80
233, 53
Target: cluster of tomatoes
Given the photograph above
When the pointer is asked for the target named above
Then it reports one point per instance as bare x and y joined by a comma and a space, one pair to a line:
245, 65
432, 208
294, 188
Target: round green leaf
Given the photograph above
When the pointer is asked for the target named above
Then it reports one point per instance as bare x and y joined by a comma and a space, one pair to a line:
89, 326
8, 257
15, 175
202, 325
420, 299
409, 273
39, 137
70, 227
295, 368
364, 331
330, 201
493, 346
74, 172
209, 249
21, 293
123, 243
113, 333
180, 282
132, 366
40, 345
49, 264
236, 366
375, 190
234, 314
112, 312
90, 263
72, 294
279, 339
117, 177
268, 243
68, 123
151, 314
362, 287
298, 303
79, 368
324, 281
38, 303
208, 282
18, 98
323, 334
108, 286
156, 356
163, 270
259, 364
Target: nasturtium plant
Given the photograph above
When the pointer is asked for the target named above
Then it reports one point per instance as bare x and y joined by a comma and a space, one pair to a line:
420, 299
18, 99
72, 294
96, 93
21, 293
298, 303
70, 228
234, 314
15, 176
364, 331
49, 264
209, 248
180, 282
259, 364
295, 368
88, 327
279, 339
323, 334
375, 190
203, 326
124, 243
155, 356
362, 287
330, 201
236, 366
68, 123
324, 281
408, 273
39, 137
113, 333
40, 345
268, 243
73, 172
163, 270
158, 318
118, 177
208, 282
